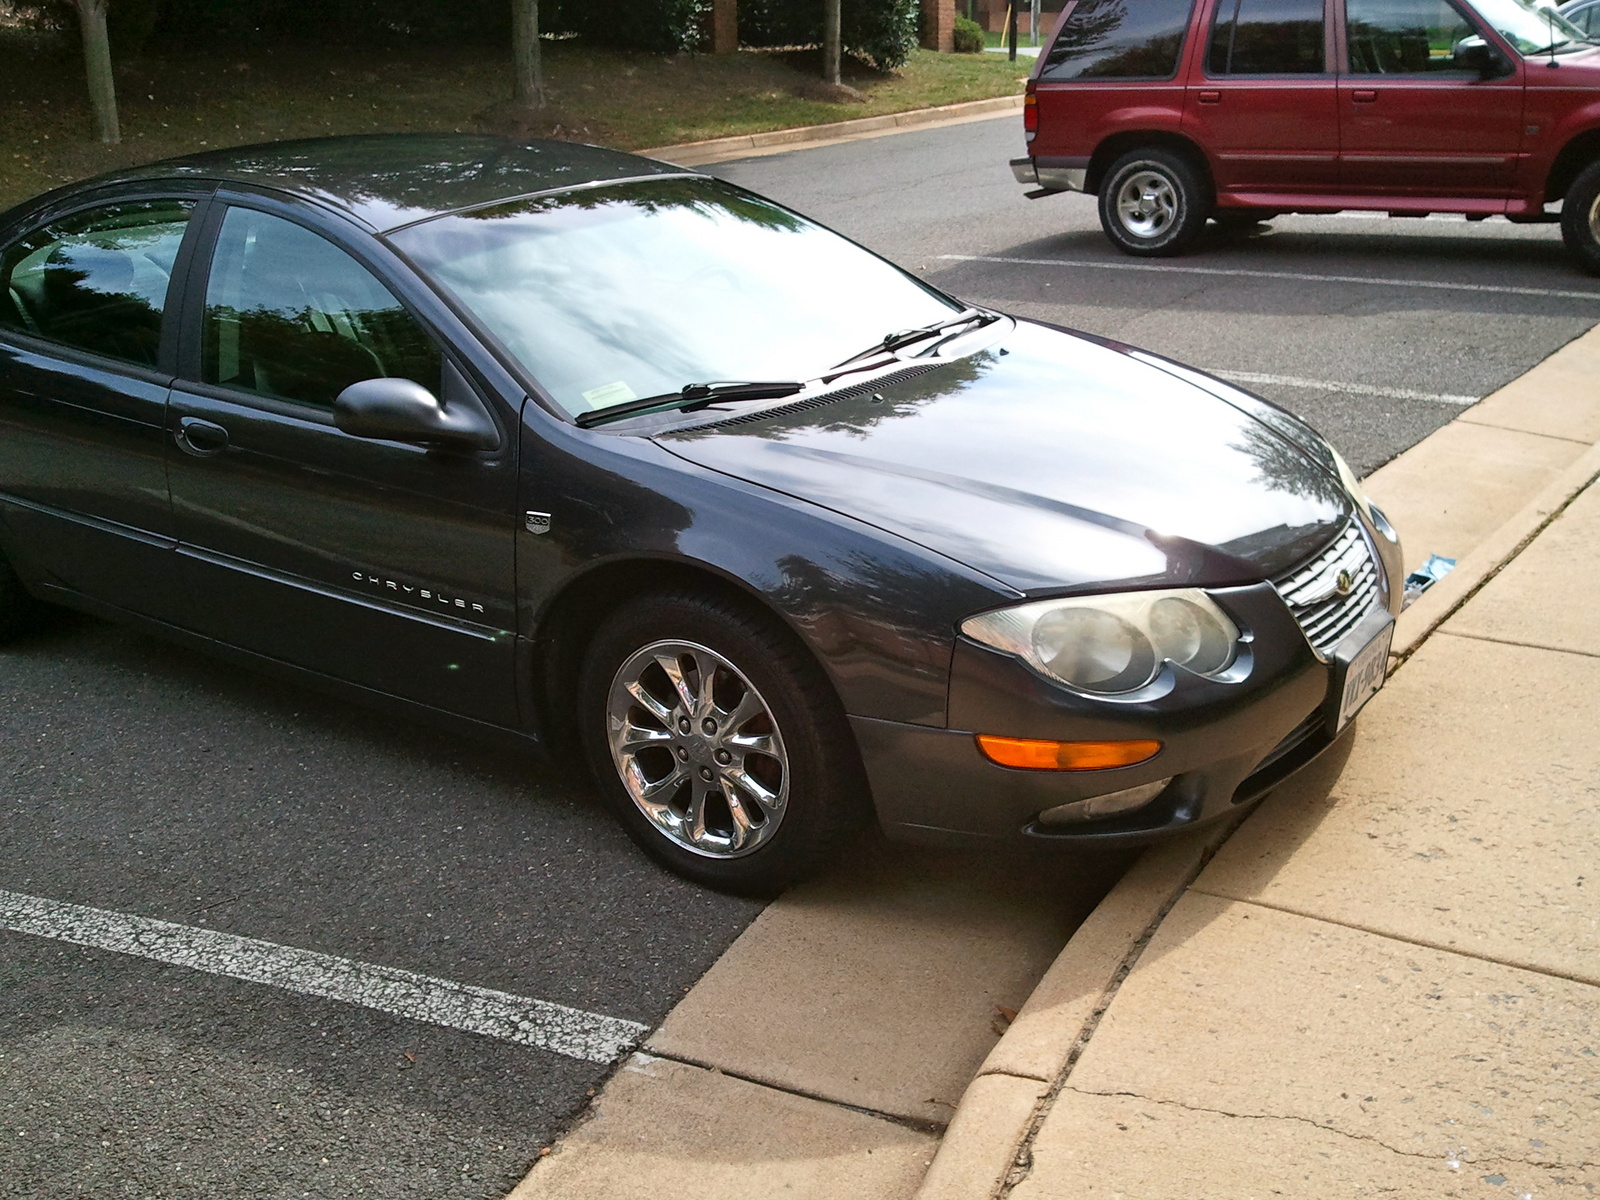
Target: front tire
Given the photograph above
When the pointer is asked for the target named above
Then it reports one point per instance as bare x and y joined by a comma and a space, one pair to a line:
1580, 218
717, 742
1153, 203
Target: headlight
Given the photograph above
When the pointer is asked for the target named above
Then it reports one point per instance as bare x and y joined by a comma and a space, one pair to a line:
1112, 644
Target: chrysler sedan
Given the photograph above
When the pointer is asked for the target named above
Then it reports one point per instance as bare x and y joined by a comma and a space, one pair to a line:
590, 451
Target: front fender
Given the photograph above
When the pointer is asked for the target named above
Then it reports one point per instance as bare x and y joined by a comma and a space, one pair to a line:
878, 612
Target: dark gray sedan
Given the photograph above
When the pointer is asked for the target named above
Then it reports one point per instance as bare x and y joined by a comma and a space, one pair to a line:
555, 443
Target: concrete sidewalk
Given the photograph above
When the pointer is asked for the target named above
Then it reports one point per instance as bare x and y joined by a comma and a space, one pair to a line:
1387, 979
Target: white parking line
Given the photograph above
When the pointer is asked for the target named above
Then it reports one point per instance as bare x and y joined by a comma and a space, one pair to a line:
591, 1037
1334, 385
1240, 273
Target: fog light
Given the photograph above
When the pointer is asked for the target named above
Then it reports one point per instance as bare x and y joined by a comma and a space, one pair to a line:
1036, 755
1103, 806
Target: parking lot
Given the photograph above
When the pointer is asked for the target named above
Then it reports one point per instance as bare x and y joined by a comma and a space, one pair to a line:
150, 783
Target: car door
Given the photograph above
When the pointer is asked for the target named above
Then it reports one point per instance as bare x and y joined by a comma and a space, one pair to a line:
1413, 120
380, 563
85, 363
1266, 100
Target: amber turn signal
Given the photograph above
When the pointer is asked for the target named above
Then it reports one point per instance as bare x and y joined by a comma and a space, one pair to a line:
1034, 755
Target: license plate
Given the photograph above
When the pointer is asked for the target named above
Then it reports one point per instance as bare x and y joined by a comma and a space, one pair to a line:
1364, 675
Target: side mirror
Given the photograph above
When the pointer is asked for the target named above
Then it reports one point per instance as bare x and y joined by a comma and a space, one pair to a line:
401, 410
1476, 55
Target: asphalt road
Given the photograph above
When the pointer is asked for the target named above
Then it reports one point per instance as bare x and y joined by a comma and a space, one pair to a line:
141, 779
928, 199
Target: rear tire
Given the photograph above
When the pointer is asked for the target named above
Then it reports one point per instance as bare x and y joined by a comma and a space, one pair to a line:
1154, 203
717, 742
1580, 218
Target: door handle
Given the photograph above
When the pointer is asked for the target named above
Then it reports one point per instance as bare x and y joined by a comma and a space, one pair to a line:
1210, 97
1364, 95
203, 439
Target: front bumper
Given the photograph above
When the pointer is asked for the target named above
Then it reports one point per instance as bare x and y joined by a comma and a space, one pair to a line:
1052, 174
1223, 743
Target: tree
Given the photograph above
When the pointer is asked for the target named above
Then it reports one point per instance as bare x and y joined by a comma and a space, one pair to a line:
830, 41
527, 89
97, 66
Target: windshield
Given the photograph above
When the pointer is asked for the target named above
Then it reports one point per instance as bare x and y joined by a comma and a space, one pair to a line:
614, 293
1533, 28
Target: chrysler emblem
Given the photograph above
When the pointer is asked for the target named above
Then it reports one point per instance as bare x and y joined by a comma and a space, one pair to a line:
1346, 583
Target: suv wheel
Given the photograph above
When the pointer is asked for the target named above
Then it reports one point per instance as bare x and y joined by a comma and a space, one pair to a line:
1580, 218
717, 742
1153, 202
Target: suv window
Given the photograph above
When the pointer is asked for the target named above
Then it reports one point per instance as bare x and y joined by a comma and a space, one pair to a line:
96, 281
289, 314
1267, 37
1119, 39
1404, 37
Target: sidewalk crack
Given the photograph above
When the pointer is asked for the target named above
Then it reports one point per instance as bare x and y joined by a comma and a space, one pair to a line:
1490, 1160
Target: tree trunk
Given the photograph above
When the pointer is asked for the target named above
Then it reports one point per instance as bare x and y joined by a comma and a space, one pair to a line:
724, 26
527, 87
830, 41
97, 66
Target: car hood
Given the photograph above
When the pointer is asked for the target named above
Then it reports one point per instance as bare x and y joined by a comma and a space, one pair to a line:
1051, 462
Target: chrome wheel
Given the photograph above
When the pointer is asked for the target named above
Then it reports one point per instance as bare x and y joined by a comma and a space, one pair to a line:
697, 748
1147, 204
1594, 219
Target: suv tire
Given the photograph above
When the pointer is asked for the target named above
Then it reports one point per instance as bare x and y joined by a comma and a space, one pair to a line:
742, 781
1580, 218
1153, 202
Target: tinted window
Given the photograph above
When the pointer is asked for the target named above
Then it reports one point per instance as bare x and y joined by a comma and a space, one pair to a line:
1404, 37
1119, 39
1266, 37
97, 280
289, 314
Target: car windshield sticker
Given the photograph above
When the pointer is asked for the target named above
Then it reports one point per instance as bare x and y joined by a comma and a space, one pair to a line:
612, 393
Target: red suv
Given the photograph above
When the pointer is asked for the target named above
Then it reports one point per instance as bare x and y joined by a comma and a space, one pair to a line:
1173, 111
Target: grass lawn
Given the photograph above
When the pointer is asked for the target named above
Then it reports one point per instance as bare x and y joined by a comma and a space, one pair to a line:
266, 92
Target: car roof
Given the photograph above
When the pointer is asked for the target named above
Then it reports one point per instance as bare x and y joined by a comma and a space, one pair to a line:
389, 180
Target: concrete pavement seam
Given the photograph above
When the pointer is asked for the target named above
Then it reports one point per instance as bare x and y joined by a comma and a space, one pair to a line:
1344, 1133
1483, 637
1466, 419
913, 1123
1420, 943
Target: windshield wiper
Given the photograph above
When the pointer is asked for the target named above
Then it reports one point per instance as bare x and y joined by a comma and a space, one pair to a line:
688, 398
907, 337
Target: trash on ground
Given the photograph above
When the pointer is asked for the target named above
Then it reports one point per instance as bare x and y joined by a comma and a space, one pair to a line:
1425, 576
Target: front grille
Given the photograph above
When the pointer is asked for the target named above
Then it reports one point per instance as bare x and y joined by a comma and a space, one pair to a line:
1312, 593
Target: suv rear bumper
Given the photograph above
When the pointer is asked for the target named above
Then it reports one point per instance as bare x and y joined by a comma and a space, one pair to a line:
1052, 174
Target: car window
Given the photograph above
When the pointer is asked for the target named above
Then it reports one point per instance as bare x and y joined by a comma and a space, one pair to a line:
97, 280
1404, 37
1267, 37
289, 314
1119, 39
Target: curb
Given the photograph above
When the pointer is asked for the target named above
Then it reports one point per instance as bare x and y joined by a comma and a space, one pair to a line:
1000, 1112
694, 154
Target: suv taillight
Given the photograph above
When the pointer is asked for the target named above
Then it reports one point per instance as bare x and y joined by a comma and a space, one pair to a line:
1030, 112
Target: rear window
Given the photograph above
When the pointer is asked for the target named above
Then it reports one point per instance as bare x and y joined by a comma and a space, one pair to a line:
1119, 39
